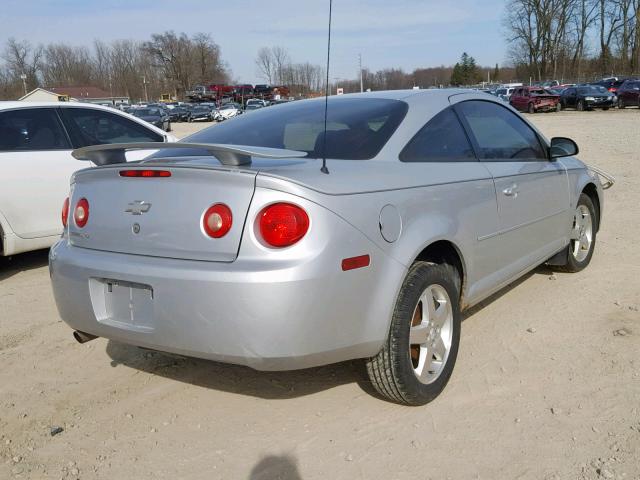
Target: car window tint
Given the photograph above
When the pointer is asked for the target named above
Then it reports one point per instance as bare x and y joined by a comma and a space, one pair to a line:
32, 129
357, 128
442, 139
500, 134
95, 127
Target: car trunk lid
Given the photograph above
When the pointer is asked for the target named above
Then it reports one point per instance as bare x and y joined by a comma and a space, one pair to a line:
160, 216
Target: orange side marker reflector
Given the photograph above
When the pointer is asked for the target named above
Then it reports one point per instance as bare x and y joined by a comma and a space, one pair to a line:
356, 262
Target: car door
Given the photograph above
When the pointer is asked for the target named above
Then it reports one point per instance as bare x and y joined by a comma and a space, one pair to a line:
532, 190
516, 99
630, 93
35, 166
462, 195
570, 97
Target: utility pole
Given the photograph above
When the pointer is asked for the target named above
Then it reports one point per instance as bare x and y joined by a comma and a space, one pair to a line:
144, 82
24, 82
360, 65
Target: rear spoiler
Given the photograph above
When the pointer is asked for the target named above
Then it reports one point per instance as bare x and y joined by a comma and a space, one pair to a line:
233, 155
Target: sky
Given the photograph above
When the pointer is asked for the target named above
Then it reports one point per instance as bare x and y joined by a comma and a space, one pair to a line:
392, 33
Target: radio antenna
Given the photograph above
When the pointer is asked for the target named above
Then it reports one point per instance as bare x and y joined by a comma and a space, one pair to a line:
324, 168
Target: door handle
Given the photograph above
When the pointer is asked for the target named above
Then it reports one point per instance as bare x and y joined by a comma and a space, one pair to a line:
511, 191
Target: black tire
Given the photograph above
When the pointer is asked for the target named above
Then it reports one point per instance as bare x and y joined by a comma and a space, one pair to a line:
580, 106
531, 108
391, 371
572, 265
605, 108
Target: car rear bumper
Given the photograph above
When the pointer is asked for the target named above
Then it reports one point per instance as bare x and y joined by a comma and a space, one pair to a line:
242, 312
547, 106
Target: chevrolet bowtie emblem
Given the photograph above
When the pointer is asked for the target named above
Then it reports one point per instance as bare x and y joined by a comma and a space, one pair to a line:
138, 207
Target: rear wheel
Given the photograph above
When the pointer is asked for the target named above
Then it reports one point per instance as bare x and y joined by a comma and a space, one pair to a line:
583, 236
531, 108
418, 356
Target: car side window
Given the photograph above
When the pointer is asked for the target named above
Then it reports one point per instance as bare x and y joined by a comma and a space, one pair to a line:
442, 139
499, 134
32, 129
89, 126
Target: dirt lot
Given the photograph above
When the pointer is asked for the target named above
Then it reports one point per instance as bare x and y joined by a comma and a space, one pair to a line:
547, 384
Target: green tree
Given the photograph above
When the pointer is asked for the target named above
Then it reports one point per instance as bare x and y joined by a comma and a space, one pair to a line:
457, 76
496, 73
465, 72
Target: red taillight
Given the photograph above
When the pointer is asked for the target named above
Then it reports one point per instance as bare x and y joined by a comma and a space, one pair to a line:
283, 224
217, 220
65, 212
145, 173
81, 212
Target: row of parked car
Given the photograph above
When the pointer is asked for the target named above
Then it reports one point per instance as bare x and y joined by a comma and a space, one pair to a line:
552, 96
162, 115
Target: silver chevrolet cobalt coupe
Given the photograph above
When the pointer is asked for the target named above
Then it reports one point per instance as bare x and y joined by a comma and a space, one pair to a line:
234, 246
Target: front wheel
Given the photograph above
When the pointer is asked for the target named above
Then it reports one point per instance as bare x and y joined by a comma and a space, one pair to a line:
582, 237
417, 359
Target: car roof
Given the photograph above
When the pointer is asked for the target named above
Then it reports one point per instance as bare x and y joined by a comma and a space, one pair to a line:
5, 105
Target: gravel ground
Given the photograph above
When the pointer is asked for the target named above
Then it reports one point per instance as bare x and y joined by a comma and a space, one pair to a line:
547, 384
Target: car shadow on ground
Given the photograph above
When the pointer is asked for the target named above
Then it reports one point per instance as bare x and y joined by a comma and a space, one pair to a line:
10, 266
239, 379
283, 467
267, 385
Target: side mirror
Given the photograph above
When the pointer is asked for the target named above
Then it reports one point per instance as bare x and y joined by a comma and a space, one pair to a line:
563, 147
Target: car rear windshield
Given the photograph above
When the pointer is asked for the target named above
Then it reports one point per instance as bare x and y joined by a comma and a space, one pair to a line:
357, 128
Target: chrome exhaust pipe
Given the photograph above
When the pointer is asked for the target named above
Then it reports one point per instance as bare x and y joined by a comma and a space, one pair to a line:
83, 337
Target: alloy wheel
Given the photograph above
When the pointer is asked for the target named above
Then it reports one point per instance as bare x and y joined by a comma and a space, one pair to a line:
431, 333
581, 233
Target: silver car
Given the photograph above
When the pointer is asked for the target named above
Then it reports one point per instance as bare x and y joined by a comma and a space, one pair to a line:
239, 245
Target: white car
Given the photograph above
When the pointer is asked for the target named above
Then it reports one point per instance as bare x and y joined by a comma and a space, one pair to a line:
36, 140
227, 111
256, 101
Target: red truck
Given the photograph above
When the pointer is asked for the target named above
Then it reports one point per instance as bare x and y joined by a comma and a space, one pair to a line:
215, 93
534, 99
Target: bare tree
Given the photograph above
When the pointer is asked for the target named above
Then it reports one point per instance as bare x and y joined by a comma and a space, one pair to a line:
22, 58
610, 21
264, 63
66, 65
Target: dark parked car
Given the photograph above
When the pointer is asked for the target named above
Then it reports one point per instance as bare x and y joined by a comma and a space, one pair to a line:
201, 112
611, 84
155, 116
587, 97
180, 114
534, 99
629, 94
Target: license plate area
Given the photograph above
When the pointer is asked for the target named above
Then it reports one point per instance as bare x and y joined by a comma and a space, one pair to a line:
122, 304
